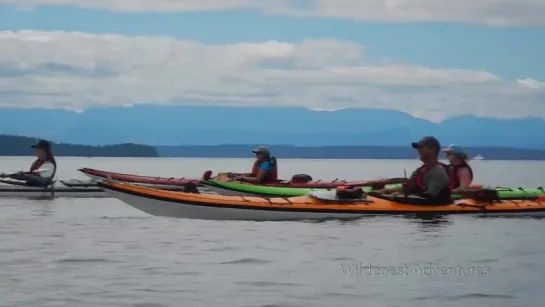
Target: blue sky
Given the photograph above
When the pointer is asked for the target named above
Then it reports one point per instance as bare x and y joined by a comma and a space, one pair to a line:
502, 57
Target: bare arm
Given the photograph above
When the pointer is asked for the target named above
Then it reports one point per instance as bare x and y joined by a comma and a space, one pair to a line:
257, 179
465, 180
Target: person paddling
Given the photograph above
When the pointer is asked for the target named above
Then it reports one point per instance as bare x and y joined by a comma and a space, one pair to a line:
264, 170
430, 181
44, 168
460, 173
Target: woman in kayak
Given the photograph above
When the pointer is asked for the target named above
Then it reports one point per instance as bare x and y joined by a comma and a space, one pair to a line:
264, 169
43, 170
460, 173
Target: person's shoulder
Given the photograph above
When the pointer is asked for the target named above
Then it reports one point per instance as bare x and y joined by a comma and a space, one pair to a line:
440, 169
464, 170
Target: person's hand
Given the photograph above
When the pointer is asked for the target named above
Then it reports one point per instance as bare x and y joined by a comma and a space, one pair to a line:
234, 178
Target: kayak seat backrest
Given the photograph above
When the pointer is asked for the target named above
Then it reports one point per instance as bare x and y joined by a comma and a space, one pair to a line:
354, 193
301, 178
190, 189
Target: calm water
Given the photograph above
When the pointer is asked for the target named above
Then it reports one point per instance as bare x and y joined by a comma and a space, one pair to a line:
101, 252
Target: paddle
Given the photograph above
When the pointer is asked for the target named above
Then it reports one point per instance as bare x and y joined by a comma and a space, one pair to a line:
40, 171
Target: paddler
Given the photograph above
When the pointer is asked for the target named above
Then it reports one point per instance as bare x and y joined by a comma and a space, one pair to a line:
460, 173
431, 180
43, 170
264, 170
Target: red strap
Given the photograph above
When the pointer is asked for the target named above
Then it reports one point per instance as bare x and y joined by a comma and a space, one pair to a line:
255, 168
36, 165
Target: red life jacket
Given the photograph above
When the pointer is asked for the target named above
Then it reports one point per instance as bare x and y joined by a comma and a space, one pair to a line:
454, 180
416, 185
38, 163
271, 176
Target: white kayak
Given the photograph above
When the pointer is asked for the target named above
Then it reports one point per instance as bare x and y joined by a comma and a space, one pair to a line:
63, 188
72, 188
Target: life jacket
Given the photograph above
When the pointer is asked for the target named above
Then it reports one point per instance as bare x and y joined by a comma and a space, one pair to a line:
453, 170
38, 163
270, 176
415, 184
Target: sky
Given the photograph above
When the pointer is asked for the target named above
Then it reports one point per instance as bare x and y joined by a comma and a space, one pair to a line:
433, 59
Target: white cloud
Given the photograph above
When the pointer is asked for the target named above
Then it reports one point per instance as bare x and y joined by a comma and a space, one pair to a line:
77, 70
531, 83
489, 12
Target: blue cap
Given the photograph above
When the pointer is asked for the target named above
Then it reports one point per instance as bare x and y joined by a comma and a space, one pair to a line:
456, 150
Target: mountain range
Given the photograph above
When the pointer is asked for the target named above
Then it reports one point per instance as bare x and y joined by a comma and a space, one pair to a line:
168, 125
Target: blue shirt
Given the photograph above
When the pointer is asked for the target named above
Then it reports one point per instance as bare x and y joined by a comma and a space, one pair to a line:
266, 166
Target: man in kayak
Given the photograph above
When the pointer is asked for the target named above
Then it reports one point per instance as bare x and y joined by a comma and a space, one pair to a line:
460, 173
264, 170
43, 170
431, 180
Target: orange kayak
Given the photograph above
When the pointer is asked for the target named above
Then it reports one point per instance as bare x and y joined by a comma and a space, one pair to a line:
315, 206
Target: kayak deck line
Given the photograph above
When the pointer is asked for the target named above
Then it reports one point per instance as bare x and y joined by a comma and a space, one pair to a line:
306, 183
132, 178
72, 188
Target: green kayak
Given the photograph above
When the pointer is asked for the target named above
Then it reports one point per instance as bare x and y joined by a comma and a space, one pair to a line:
234, 188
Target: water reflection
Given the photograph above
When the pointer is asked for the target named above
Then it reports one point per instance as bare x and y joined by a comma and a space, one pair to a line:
429, 223
42, 207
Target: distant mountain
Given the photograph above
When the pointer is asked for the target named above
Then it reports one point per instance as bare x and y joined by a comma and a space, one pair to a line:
210, 125
20, 146
340, 152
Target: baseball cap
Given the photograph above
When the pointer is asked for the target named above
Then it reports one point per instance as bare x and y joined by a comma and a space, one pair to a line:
262, 150
42, 144
427, 141
456, 150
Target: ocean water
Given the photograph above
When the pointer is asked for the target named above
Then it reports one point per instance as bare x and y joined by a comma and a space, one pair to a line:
101, 252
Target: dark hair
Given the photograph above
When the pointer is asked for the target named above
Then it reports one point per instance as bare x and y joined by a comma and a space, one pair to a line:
48, 154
